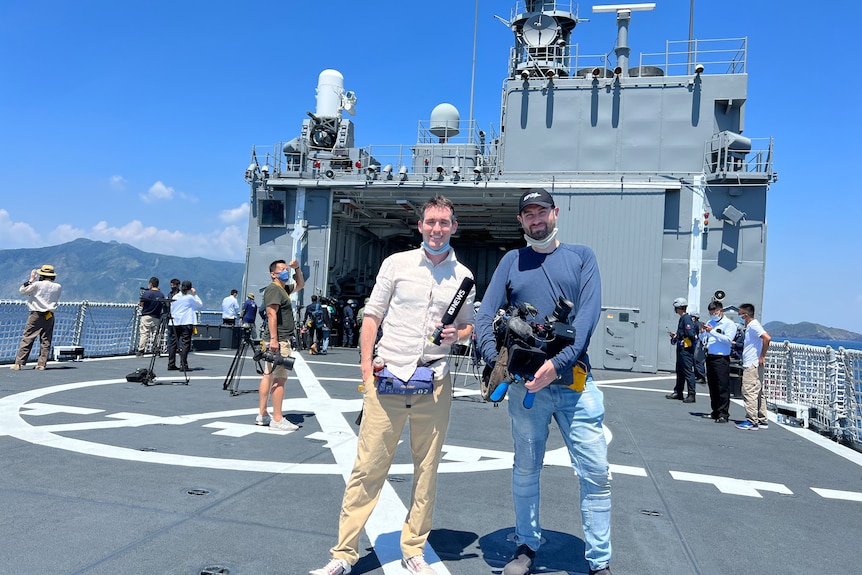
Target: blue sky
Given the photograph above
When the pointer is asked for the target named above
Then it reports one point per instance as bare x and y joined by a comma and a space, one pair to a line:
134, 121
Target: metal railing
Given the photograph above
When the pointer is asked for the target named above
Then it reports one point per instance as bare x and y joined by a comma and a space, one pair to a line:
820, 386
102, 329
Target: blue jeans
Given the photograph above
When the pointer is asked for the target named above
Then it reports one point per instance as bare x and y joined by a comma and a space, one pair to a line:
579, 416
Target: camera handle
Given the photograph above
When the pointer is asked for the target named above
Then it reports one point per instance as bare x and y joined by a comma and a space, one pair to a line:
500, 391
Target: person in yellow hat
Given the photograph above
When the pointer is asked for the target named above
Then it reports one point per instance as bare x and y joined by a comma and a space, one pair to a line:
44, 294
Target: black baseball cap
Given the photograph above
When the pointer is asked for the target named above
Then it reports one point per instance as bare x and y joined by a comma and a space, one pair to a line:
538, 196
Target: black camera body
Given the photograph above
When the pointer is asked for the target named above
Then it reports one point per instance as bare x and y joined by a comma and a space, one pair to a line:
531, 343
275, 359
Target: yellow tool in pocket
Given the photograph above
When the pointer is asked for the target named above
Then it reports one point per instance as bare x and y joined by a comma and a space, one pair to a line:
579, 373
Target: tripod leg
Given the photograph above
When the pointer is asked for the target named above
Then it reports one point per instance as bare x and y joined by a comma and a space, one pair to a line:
234, 364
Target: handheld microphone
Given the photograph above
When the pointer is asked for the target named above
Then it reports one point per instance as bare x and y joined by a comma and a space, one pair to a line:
453, 309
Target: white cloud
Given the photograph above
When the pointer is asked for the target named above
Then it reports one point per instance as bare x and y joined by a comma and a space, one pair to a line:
117, 183
221, 244
17, 234
158, 191
235, 215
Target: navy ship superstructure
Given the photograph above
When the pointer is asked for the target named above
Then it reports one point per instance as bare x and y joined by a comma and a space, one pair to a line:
644, 156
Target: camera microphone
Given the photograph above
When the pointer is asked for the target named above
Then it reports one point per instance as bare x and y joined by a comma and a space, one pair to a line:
454, 307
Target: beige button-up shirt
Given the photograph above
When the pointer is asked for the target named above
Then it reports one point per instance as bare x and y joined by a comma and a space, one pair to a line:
411, 295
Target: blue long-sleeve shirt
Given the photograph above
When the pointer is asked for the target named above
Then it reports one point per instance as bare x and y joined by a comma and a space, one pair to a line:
527, 276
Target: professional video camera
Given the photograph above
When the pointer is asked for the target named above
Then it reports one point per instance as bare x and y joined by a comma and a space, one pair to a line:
326, 300
274, 358
530, 343
525, 344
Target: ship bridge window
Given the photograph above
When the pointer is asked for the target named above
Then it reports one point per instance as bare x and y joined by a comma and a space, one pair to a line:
271, 214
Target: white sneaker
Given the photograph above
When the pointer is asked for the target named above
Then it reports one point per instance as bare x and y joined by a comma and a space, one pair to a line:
334, 567
283, 425
416, 565
15, 367
262, 419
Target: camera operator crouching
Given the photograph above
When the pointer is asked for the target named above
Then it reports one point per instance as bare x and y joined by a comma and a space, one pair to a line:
277, 331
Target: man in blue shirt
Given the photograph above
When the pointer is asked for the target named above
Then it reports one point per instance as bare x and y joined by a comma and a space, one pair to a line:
718, 334
249, 314
152, 304
540, 274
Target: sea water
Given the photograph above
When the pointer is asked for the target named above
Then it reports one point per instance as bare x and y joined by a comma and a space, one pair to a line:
833, 343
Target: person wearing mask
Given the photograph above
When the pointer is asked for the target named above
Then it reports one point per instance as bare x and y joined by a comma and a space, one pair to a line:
562, 387
685, 339
230, 308
43, 292
277, 332
425, 279
753, 358
152, 303
718, 334
185, 304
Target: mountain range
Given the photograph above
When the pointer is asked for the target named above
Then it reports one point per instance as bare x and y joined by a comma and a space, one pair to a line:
113, 272
808, 330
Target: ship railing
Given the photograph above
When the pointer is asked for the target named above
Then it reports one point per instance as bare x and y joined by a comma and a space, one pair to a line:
728, 153
721, 56
717, 56
101, 329
521, 6
818, 387
467, 148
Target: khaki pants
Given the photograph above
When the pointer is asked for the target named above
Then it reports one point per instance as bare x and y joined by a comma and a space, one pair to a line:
37, 326
383, 420
752, 393
149, 324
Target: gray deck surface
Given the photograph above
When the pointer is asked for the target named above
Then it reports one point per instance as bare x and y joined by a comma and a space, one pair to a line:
101, 476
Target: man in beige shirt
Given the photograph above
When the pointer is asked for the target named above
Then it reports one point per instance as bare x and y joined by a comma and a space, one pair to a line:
400, 303
44, 296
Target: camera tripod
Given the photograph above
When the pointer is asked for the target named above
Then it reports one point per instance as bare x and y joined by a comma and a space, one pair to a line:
166, 322
234, 372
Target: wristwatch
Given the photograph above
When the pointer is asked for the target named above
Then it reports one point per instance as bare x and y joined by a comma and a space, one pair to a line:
26, 283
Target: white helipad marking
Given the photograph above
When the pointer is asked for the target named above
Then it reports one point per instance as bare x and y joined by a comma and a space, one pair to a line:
732, 486
50, 409
836, 494
242, 429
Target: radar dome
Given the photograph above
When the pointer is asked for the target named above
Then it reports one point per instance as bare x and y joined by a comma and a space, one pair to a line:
444, 121
330, 87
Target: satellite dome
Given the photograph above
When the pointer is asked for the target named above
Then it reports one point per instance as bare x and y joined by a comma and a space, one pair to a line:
444, 121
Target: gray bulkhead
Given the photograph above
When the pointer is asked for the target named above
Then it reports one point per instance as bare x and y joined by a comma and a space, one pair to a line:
649, 170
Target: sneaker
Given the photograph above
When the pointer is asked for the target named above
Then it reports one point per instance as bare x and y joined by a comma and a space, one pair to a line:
15, 367
763, 425
41, 367
282, 425
746, 425
521, 562
416, 565
334, 567
262, 419
606, 570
